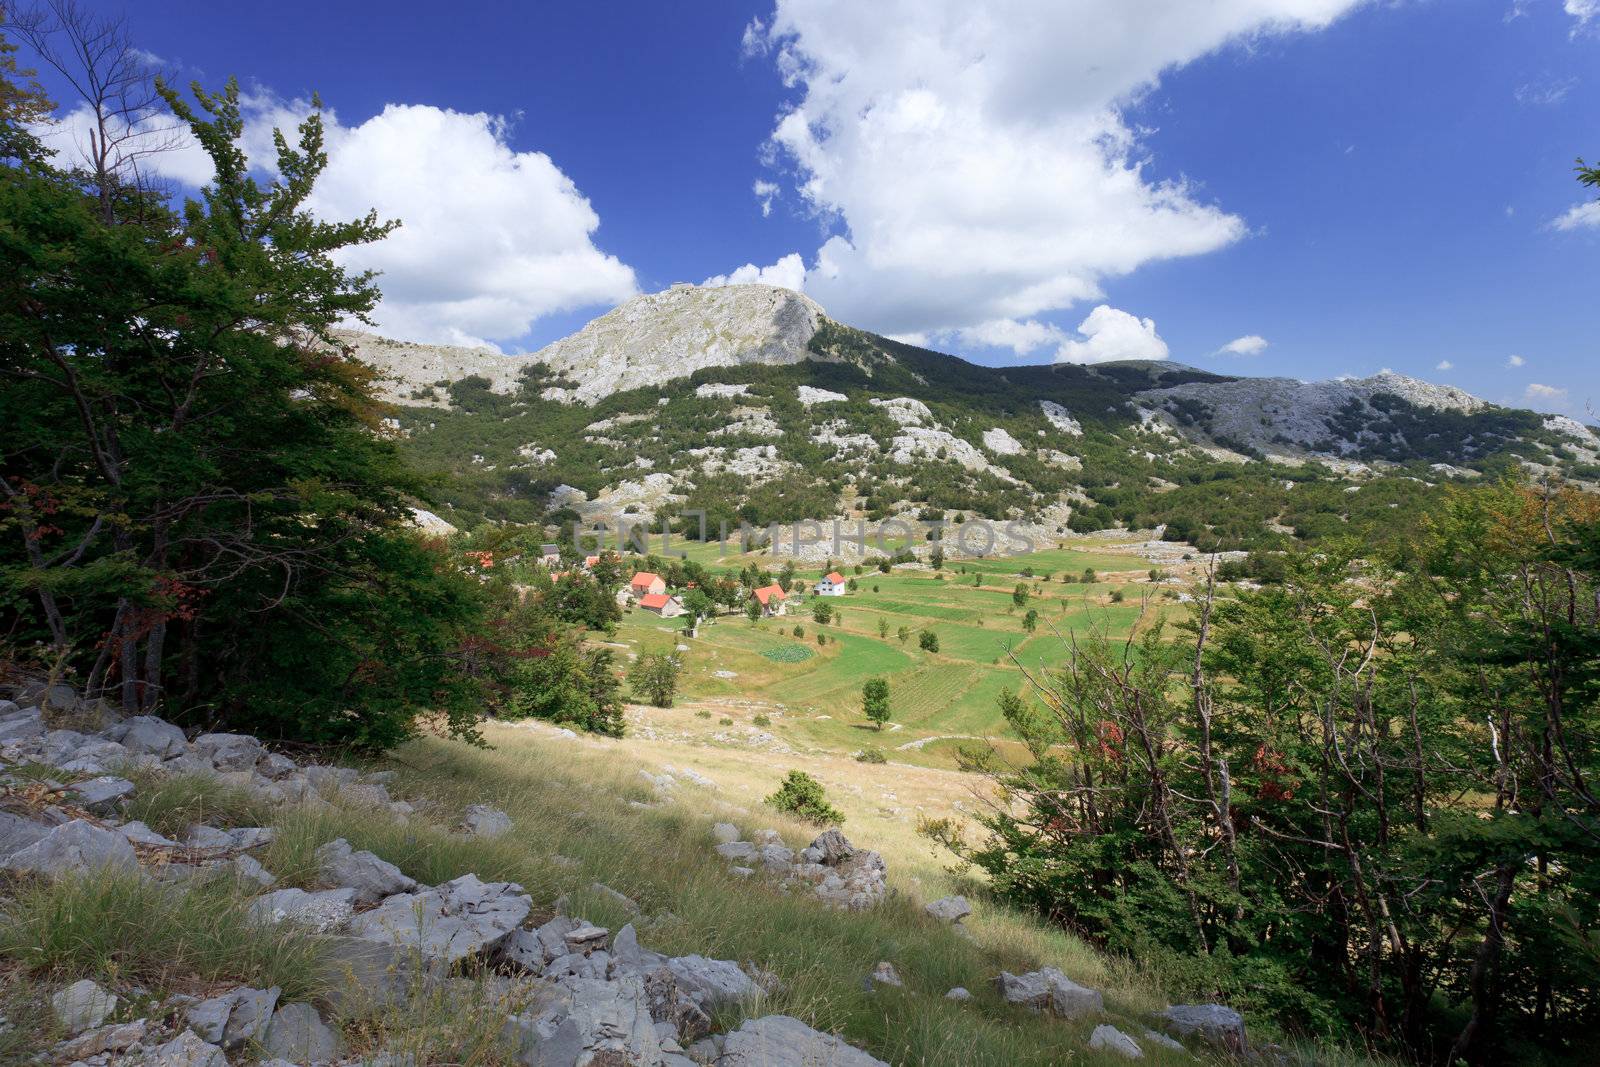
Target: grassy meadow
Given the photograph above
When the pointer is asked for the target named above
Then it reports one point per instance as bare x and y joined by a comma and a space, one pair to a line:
815, 689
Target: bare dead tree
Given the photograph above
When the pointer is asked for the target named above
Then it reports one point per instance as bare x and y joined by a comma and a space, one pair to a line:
115, 81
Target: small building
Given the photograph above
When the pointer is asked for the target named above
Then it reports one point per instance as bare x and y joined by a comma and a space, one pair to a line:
833, 584
772, 599
644, 583
590, 562
550, 555
668, 607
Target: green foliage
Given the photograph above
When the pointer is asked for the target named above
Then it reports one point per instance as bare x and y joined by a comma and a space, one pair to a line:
571, 683
760, 720
196, 512
1019, 595
821, 611
654, 677
871, 755
1328, 821
801, 795
928, 641
875, 701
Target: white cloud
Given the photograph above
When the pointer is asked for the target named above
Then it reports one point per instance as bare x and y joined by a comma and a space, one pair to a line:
1249, 345
1546, 93
1545, 395
766, 192
491, 238
789, 272
973, 159
1445, 364
1515, 361
1584, 11
1112, 334
1579, 216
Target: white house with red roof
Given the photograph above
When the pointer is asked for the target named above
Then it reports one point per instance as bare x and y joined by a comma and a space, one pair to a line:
832, 584
668, 607
644, 583
772, 599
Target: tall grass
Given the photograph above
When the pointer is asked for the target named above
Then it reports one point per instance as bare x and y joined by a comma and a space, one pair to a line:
122, 929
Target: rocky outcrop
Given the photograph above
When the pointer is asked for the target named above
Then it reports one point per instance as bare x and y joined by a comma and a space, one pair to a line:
835, 871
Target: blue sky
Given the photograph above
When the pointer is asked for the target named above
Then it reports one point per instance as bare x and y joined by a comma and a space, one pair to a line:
1358, 185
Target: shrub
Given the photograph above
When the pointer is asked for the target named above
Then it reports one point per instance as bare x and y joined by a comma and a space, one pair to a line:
654, 676
928, 641
702, 714
572, 684
799, 631
725, 721
760, 720
871, 755
802, 795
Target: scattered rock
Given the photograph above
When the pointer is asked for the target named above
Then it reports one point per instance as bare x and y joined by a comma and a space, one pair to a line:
115, 1038
884, 974
17, 833
725, 833
229, 752
1107, 1038
83, 1005
150, 735
481, 820
949, 909
784, 1041
233, 1018
1047, 989
77, 847
370, 877
298, 1034
139, 834
627, 902
249, 868
101, 795
1216, 1023
447, 923
185, 1050
1162, 1039
958, 993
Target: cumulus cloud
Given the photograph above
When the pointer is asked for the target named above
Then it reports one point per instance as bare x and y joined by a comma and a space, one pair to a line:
1250, 344
491, 239
789, 272
973, 161
1112, 334
1515, 361
1583, 11
1579, 217
1444, 364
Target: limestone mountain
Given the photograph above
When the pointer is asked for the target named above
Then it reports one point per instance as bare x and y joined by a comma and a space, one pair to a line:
748, 403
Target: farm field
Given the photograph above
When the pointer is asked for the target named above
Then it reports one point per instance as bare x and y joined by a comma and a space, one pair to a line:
811, 692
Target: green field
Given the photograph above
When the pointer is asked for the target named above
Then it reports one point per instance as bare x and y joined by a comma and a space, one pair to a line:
816, 689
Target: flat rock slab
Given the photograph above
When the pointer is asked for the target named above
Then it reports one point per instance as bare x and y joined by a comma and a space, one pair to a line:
450, 922
83, 1005
1215, 1023
298, 1034
323, 910
185, 1050
481, 820
784, 1041
949, 909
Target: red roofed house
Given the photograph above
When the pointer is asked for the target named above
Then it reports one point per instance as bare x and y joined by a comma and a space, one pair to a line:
589, 562
832, 584
771, 598
645, 583
668, 607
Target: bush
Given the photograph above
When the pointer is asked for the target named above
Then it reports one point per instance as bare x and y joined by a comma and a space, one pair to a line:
654, 676
871, 755
725, 721
760, 720
802, 795
572, 684
799, 631
702, 714
928, 641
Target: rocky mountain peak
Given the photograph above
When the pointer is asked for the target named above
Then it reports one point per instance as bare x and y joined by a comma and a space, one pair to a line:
656, 337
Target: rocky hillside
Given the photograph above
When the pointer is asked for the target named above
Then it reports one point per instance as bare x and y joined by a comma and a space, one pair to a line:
714, 399
171, 900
